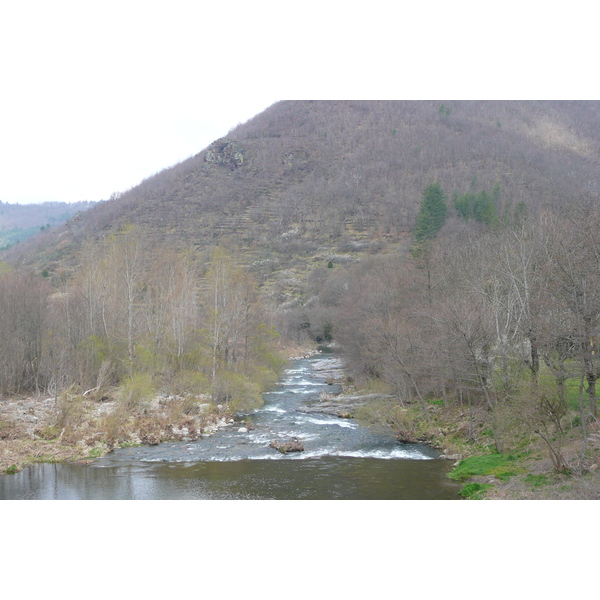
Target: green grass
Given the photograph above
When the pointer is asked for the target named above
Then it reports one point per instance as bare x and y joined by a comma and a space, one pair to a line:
571, 384
474, 491
96, 452
572, 393
536, 481
501, 466
127, 445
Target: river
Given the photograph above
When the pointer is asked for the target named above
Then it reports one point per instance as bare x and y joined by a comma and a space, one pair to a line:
341, 459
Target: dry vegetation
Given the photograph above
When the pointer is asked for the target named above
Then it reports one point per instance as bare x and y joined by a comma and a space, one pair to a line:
496, 318
73, 427
313, 173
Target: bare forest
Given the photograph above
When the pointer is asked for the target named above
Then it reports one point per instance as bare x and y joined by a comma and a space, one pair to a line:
450, 249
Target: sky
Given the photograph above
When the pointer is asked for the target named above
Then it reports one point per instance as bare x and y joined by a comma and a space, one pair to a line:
97, 96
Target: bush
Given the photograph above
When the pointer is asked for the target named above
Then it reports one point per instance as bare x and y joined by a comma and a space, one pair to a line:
96, 452
238, 391
71, 418
115, 427
50, 432
190, 382
137, 391
389, 414
9, 430
264, 377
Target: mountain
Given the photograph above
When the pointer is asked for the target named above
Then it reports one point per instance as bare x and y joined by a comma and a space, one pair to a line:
19, 222
476, 331
322, 180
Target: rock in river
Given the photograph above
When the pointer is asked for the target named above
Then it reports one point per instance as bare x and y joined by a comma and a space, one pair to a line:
293, 445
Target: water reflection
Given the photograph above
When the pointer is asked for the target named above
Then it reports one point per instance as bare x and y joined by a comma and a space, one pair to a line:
328, 478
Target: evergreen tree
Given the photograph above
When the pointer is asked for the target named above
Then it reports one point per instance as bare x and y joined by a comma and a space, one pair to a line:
482, 207
432, 213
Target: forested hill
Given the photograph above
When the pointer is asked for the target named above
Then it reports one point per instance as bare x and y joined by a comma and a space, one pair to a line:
450, 248
307, 173
21, 221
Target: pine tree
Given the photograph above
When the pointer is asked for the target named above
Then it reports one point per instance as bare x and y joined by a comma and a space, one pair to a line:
432, 213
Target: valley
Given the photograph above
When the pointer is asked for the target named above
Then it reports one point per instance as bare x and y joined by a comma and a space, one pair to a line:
448, 249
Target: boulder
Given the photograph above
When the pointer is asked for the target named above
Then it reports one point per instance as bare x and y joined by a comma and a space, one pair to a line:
293, 445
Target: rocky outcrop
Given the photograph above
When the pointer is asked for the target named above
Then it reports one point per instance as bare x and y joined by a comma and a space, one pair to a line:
225, 152
293, 445
330, 369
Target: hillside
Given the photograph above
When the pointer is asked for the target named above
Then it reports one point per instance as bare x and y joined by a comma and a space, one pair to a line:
327, 178
449, 248
19, 222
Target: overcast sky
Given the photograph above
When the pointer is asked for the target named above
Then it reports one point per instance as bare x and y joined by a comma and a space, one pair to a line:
96, 96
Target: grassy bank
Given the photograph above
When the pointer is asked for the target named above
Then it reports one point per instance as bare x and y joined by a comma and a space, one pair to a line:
526, 468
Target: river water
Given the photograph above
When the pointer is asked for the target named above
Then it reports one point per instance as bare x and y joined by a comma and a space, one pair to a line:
341, 459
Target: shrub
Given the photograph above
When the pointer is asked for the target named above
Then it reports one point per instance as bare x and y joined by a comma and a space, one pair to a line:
194, 383
137, 391
9, 430
264, 377
96, 452
115, 427
389, 414
238, 391
71, 418
50, 432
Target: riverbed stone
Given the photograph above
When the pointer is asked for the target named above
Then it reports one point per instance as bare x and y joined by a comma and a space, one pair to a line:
293, 445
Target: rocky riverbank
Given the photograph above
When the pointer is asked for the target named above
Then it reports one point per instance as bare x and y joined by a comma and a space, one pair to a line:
83, 426
78, 428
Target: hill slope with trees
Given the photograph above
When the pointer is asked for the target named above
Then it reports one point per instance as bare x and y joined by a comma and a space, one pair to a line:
19, 222
450, 248
306, 173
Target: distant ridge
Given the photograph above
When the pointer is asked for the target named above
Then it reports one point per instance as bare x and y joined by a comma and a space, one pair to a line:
19, 222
